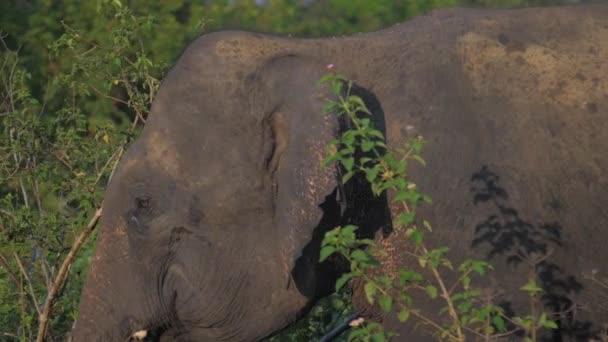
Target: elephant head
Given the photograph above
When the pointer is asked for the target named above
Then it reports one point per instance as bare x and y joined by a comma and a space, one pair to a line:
212, 221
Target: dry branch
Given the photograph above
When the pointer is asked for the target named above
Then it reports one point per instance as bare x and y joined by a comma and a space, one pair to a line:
29, 282
63, 273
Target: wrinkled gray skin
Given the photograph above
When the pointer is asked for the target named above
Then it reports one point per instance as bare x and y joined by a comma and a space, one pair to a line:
212, 221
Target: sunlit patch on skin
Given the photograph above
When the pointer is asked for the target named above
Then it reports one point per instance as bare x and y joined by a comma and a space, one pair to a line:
561, 75
160, 152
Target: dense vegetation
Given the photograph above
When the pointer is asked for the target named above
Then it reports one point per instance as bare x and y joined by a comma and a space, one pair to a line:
76, 81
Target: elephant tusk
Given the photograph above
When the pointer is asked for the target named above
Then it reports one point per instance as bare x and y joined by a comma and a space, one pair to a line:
356, 322
139, 335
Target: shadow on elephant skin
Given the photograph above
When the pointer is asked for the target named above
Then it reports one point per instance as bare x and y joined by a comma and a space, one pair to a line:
518, 241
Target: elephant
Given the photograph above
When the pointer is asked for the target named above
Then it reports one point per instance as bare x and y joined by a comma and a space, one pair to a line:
213, 220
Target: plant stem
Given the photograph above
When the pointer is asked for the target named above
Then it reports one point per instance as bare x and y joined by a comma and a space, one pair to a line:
413, 312
62, 274
28, 281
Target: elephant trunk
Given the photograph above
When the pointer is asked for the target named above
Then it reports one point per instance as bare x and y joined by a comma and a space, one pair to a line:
115, 304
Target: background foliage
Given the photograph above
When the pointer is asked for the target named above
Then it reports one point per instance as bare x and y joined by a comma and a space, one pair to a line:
76, 81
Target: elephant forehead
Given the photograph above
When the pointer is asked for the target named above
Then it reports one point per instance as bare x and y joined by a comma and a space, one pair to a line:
161, 152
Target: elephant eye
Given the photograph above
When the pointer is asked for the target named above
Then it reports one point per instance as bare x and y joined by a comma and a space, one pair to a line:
141, 212
142, 202
143, 206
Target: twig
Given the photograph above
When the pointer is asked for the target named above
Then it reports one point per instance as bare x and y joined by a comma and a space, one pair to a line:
62, 274
29, 282
7, 213
100, 173
8, 270
100, 93
46, 274
37, 190
17, 161
116, 161
62, 160
9, 335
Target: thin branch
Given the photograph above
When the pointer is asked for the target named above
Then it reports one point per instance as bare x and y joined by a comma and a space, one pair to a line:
100, 93
17, 162
122, 150
63, 273
29, 283
8, 270
46, 274
100, 173
7, 213
453, 287
37, 190
5, 334
130, 90
62, 160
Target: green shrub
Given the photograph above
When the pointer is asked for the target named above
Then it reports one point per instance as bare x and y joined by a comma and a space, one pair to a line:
56, 157
361, 150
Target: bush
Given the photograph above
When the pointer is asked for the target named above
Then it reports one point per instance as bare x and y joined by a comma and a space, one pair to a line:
466, 311
56, 157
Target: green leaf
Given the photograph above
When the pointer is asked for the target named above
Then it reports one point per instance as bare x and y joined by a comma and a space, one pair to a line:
417, 236
326, 252
357, 335
546, 323
403, 315
411, 196
431, 291
427, 225
359, 255
364, 160
343, 280
376, 133
329, 107
417, 146
406, 218
348, 229
348, 163
409, 275
336, 87
525, 323
386, 303
367, 145
531, 288
347, 176
371, 174
550, 324
370, 290
378, 337
326, 78
499, 323
360, 104
419, 159
381, 144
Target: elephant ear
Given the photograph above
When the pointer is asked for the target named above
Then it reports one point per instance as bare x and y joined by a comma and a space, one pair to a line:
304, 191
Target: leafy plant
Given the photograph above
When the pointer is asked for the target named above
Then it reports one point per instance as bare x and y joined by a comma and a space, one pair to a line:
466, 311
56, 156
